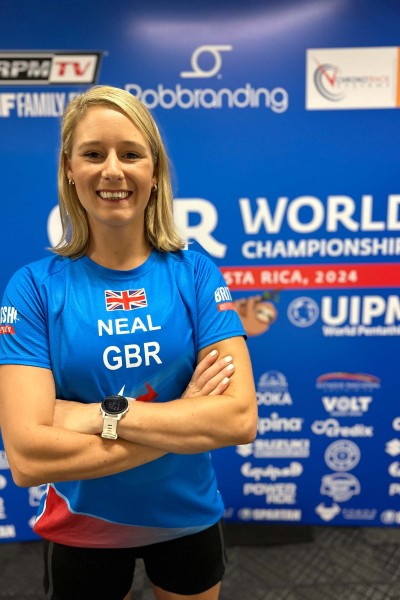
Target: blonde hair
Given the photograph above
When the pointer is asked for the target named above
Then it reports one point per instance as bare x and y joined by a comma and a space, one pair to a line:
160, 228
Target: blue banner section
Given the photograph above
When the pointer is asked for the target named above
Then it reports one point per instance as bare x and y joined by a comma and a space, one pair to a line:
281, 121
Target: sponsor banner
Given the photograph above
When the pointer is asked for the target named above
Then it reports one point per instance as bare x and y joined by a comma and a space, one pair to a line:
297, 205
343, 78
299, 277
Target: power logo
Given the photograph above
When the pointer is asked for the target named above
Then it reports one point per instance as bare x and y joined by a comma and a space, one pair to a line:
43, 68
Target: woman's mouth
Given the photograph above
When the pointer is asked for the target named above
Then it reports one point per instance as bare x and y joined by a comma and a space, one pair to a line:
113, 194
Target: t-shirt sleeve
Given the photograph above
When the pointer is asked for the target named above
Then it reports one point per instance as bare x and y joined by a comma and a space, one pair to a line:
217, 318
24, 336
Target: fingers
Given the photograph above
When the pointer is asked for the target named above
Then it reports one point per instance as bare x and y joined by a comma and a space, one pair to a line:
209, 376
219, 383
221, 387
204, 364
214, 374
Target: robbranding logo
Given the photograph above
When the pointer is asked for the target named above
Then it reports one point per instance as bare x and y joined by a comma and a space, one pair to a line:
206, 62
198, 71
43, 68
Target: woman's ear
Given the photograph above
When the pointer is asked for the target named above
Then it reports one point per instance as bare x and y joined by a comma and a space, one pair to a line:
67, 168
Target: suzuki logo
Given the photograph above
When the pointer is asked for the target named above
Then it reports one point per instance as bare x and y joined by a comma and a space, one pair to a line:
215, 52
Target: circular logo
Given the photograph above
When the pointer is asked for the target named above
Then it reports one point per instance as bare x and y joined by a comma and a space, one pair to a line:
326, 82
303, 312
342, 455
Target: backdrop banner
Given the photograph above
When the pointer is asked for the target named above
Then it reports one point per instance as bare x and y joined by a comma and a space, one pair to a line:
281, 124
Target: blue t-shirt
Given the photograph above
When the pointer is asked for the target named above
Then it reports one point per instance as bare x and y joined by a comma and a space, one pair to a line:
138, 332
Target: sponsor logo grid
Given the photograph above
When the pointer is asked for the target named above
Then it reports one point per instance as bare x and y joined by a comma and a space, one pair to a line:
267, 478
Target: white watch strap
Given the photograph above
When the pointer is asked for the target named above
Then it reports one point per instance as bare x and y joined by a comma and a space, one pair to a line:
109, 427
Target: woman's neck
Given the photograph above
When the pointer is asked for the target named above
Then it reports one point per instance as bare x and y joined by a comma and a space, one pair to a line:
122, 252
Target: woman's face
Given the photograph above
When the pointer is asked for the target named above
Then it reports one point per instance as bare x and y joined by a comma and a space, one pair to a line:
113, 170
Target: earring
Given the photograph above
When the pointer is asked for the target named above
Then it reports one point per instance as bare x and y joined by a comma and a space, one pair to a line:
71, 182
154, 188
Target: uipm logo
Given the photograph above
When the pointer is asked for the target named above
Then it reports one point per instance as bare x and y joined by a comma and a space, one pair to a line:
46, 68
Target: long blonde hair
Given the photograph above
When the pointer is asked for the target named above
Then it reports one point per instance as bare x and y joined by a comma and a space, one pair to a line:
160, 228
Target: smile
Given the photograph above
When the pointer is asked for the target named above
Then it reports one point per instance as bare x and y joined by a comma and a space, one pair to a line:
108, 195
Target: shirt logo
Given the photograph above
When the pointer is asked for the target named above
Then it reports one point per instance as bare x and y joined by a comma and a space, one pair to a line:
125, 299
8, 316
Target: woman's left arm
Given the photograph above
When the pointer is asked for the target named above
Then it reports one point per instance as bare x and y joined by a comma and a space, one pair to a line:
192, 425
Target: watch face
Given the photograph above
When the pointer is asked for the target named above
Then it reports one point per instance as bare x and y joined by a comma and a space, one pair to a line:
115, 404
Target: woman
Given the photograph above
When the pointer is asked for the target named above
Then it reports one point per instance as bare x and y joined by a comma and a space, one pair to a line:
121, 311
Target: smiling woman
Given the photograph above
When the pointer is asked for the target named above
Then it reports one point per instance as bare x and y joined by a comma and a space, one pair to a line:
114, 175
130, 474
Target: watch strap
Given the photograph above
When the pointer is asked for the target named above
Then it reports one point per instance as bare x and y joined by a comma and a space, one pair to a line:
110, 427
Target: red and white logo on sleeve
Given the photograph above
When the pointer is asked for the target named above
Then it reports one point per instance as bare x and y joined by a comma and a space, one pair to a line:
223, 298
8, 316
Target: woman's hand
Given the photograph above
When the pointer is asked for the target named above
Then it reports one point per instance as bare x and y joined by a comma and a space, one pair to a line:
211, 376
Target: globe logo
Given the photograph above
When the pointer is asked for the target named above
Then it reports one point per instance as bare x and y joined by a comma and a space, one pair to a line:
303, 312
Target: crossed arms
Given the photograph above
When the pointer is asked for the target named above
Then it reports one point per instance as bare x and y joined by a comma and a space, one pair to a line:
50, 440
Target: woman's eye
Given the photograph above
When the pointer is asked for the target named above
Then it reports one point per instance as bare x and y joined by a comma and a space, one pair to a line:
131, 155
92, 155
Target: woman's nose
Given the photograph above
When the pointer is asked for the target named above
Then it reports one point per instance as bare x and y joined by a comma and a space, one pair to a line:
112, 167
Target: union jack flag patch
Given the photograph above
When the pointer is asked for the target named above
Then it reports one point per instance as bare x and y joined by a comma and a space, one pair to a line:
125, 299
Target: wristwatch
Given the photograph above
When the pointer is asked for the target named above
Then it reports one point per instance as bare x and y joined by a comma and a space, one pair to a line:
113, 408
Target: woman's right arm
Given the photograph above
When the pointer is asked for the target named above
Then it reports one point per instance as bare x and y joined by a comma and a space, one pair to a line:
40, 452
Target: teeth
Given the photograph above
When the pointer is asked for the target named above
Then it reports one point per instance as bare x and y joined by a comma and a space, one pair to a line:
113, 195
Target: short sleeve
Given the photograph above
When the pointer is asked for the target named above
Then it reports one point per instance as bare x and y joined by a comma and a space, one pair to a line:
217, 318
24, 336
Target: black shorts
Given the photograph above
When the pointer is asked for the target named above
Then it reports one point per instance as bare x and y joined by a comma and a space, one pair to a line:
188, 565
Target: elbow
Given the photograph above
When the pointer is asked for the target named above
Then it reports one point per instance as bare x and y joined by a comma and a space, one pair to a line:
246, 430
23, 473
248, 433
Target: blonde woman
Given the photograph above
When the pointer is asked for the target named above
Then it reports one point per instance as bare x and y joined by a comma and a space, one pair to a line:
136, 339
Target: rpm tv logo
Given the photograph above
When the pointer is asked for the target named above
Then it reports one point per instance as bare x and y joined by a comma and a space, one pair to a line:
349, 315
47, 68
